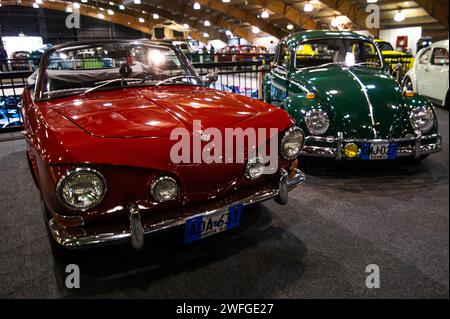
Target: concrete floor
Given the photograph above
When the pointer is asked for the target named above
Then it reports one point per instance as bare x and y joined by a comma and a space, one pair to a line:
345, 217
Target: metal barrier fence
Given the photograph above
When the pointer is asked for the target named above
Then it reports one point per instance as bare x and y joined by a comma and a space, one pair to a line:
11, 87
399, 65
240, 76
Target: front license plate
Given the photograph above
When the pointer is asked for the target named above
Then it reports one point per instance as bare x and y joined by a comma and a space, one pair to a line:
204, 226
379, 151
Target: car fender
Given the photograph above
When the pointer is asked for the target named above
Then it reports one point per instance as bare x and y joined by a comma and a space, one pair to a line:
298, 106
418, 101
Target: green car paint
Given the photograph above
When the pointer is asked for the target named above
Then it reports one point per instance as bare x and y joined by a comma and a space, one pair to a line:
362, 103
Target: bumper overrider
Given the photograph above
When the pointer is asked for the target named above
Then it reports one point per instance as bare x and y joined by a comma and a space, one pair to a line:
70, 237
333, 147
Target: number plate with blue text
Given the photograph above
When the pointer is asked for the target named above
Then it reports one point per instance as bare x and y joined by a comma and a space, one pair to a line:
203, 226
379, 151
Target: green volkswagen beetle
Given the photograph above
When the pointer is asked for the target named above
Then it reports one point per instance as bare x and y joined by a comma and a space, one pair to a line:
335, 86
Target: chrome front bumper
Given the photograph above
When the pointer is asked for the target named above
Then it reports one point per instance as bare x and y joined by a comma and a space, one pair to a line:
418, 148
136, 232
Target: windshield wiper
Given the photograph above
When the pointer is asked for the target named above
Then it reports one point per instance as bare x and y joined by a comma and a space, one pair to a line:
105, 83
175, 78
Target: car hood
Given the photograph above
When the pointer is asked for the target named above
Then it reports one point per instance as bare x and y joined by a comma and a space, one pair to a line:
155, 112
362, 102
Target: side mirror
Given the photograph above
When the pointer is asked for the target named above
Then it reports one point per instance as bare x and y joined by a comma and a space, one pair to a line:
211, 78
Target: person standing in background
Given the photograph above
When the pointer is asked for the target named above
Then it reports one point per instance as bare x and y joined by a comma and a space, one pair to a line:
271, 47
3, 58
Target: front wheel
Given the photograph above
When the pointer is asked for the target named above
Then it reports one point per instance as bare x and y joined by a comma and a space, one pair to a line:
407, 84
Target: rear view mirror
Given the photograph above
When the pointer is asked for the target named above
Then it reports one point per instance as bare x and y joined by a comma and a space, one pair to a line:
211, 78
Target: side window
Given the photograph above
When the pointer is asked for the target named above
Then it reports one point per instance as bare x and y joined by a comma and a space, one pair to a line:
425, 57
440, 56
283, 57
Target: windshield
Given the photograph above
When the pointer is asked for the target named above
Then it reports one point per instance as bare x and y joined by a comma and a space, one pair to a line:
348, 52
385, 46
85, 68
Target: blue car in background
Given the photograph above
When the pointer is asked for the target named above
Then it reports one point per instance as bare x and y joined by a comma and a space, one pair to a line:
9, 118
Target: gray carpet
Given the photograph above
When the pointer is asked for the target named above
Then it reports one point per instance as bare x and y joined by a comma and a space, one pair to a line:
346, 216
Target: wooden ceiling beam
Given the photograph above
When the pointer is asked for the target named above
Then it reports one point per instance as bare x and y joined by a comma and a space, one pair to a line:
233, 11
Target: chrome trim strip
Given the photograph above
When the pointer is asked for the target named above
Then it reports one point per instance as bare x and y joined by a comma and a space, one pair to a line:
332, 139
417, 150
364, 89
68, 241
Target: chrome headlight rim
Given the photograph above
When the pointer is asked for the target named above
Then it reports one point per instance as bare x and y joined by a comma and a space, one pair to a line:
428, 126
161, 179
325, 117
78, 170
286, 136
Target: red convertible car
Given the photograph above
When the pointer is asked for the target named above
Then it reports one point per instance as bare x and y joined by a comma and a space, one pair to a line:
100, 142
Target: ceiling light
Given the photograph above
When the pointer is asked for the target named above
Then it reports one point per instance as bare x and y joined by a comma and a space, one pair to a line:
399, 16
141, 20
335, 22
76, 5
122, 7
111, 3
110, 12
84, 1
265, 14
225, 1
137, 1
308, 7
372, 1
38, 1
35, 5
100, 16
155, 16
207, 23
255, 29
197, 6
206, 35
185, 26
290, 26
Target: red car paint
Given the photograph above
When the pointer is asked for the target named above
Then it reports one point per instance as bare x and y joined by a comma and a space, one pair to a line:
124, 134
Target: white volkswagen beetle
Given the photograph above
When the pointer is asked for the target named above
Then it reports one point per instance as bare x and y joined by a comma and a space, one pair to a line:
429, 75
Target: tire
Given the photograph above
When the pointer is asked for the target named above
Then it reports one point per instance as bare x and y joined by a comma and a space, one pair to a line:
446, 101
407, 84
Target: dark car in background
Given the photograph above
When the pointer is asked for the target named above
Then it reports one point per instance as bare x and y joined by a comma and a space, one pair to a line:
20, 61
35, 56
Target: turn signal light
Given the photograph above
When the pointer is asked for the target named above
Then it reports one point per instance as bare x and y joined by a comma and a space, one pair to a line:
409, 93
351, 150
310, 96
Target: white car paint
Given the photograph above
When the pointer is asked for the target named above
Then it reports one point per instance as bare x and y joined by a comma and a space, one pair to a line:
429, 75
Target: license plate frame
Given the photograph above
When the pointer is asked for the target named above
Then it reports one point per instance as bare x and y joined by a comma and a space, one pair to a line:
203, 226
378, 151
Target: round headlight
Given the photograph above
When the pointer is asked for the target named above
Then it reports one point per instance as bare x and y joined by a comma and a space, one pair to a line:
255, 168
292, 143
317, 122
422, 119
81, 188
164, 188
